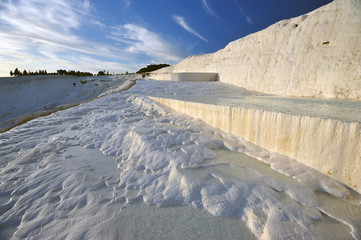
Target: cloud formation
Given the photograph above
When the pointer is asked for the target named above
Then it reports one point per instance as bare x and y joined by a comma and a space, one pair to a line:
181, 21
137, 39
33, 15
51, 34
31, 25
208, 9
244, 14
127, 3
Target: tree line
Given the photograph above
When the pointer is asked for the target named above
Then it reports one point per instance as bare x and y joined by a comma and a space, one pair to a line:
18, 73
152, 67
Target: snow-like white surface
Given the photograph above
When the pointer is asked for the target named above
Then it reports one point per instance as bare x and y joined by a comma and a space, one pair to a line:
219, 93
327, 145
25, 98
123, 167
188, 76
315, 55
321, 133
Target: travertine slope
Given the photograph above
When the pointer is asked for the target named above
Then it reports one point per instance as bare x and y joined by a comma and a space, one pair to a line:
327, 145
313, 55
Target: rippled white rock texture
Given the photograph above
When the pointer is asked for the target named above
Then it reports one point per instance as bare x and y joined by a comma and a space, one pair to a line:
124, 167
327, 145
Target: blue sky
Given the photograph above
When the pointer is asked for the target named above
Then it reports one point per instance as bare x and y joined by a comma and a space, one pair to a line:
125, 35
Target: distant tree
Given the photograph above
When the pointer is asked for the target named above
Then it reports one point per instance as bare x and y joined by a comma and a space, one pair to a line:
25, 73
62, 72
17, 72
85, 74
11, 73
101, 73
152, 67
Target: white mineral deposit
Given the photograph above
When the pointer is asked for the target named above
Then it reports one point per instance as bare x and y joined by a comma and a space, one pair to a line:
260, 140
314, 55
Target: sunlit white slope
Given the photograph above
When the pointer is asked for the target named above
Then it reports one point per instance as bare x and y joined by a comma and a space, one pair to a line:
327, 145
27, 97
314, 55
100, 170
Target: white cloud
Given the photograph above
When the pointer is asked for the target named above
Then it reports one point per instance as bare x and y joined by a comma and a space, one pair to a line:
244, 14
47, 34
127, 3
45, 20
181, 21
49, 22
62, 14
82, 63
208, 9
249, 20
137, 39
25, 53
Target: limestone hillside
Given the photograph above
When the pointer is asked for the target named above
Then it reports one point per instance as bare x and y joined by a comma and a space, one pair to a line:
314, 55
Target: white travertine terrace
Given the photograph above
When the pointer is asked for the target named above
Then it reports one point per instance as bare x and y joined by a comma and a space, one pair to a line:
327, 145
314, 55
187, 76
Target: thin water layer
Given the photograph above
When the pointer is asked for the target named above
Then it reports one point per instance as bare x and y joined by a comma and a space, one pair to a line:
222, 94
142, 221
344, 110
